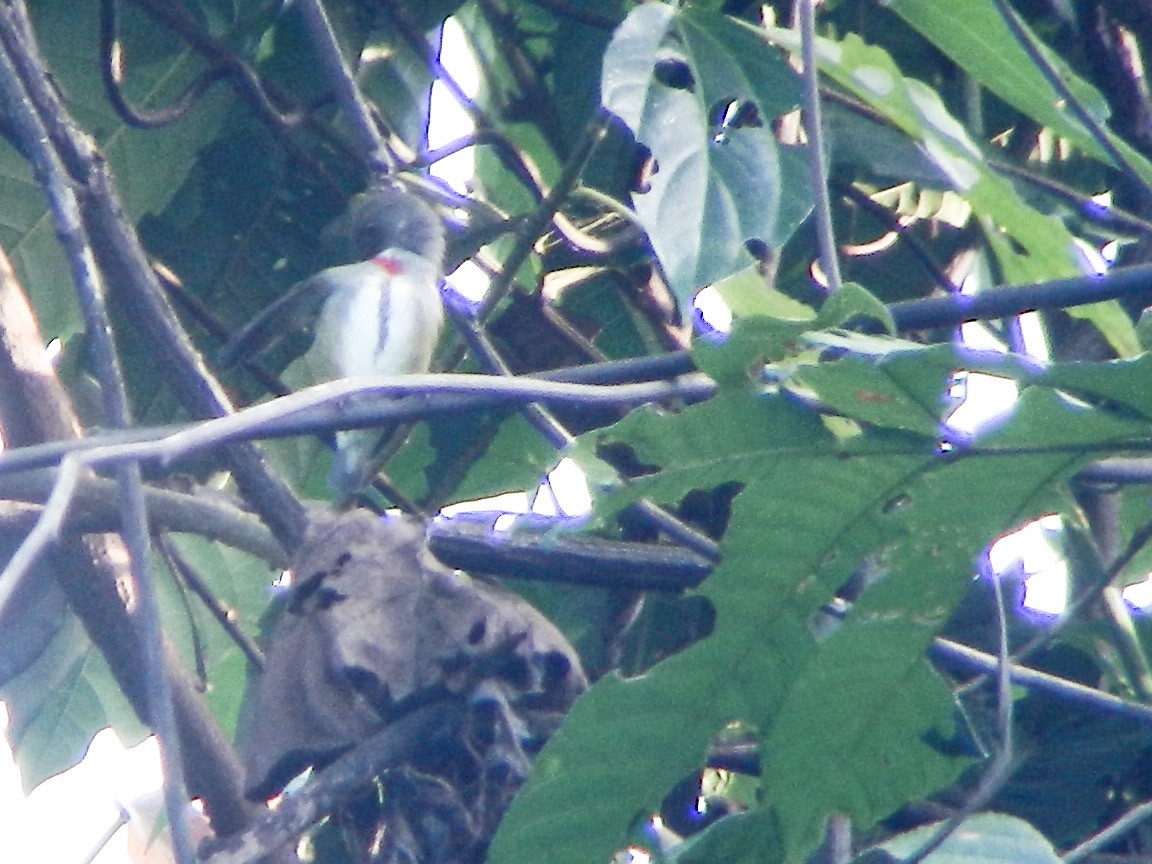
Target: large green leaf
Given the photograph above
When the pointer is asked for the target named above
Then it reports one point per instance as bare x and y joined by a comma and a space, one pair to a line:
65, 693
60, 702
844, 711
670, 75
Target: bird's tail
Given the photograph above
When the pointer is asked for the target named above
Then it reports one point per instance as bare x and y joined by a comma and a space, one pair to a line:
352, 462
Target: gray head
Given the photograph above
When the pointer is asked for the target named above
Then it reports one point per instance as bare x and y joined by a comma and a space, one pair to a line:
391, 217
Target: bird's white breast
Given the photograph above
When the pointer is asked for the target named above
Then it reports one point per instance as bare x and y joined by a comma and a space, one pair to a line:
377, 321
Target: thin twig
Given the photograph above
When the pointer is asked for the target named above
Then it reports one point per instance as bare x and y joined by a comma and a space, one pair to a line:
1005, 302
949, 651
247, 423
359, 113
1133, 818
913, 243
547, 425
560, 438
221, 56
1103, 511
106, 838
159, 685
165, 549
224, 616
112, 71
677, 366
1086, 207
817, 164
131, 276
214, 517
369, 388
1091, 593
544, 214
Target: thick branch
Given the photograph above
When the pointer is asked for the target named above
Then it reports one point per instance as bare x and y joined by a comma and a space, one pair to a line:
951, 311
94, 568
94, 509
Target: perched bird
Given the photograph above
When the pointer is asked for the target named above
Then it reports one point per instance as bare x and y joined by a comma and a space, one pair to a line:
380, 316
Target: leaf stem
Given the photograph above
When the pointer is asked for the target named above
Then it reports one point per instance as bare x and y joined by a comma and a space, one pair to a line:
817, 162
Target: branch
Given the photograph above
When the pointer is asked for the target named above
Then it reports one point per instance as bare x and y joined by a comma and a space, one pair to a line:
1108, 835
638, 370
225, 63
900, 227
95, 510
1003, 763
224, 615
131, 277
559, 437
1005, 302
112, 71
544, 214
397, 744
1094, 127
250, 422
339, 398
53, 178
539, 554
94, 567
1097, 700
369, 141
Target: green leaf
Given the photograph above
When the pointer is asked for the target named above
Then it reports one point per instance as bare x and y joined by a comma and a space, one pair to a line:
743, 838
974, 36
516, 460
852, 301
1123, 382
845, 709
716, 186
1029, 246
746, 294
60, 702
851, 386
987, 838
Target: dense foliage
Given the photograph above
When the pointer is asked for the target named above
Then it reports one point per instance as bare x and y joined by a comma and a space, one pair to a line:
628, 155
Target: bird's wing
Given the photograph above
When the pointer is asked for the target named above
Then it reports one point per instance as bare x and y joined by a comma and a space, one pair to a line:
294, 312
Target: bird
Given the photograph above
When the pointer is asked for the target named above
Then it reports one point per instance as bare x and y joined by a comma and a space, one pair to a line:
381, 315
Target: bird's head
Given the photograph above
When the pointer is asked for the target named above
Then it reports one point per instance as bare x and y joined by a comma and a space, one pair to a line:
390, 217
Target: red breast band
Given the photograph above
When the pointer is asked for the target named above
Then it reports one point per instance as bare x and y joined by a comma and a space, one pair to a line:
389, 265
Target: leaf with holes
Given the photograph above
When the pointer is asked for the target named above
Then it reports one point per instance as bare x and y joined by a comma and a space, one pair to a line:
851, 718
699, 92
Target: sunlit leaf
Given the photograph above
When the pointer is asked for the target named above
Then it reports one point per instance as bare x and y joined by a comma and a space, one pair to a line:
678, 79
845, 710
